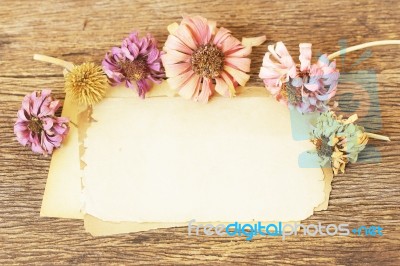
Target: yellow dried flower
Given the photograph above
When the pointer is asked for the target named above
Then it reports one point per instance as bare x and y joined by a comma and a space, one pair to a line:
87, 83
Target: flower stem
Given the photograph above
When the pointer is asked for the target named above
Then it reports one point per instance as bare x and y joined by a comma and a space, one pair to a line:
376, 136
362, 46
52, 60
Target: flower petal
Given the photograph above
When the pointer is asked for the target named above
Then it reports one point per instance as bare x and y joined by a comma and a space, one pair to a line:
176, 69
178, 81
238, 75
305, 56
222, 87
205, 91
174, 43
245, 51
231, 43
242, 64
229, 81
221, 36
188, 89
183, 33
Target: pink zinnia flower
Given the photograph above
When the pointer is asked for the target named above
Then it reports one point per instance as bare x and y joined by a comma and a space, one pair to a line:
200, 58
37, 125
136, 63
303, 86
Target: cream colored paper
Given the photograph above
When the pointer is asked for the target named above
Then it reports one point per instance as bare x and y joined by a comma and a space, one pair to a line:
97, 227
171, 160
62, 196
63, 188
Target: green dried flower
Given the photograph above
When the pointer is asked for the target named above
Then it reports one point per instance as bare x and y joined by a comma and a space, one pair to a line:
338, 141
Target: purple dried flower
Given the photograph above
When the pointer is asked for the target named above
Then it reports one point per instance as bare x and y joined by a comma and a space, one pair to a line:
136, 63
37, 125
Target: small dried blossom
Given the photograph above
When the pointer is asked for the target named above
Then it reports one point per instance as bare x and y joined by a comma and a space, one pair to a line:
136, 63
87, 83
338, 141
306, 87
38, 126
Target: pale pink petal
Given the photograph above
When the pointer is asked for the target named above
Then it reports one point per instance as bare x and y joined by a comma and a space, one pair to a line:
221, 35
230, 43
238, 75
312, 87
281, 50
239, 63
245, 51
305, 56
181, 57
169, 59
221, 87
23, 114
200, 29
176, 69
188, 89
268, 73
229, 81
36, 147
183, 33
173, 43
205, 91
178, 81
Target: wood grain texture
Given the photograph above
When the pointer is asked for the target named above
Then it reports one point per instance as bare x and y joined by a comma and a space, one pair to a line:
78, 31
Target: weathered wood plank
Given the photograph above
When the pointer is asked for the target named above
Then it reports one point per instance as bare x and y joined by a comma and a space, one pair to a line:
81, 31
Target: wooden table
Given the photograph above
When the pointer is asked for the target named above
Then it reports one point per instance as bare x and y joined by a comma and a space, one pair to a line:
78, 31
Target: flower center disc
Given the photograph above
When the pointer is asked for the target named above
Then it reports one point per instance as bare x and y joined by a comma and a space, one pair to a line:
136, 69
208, 61
291, 93
35, 125
323, 149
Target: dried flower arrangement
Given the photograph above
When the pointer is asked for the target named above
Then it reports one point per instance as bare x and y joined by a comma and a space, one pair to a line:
198, 59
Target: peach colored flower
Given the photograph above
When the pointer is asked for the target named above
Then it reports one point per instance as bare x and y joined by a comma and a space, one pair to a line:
200, 59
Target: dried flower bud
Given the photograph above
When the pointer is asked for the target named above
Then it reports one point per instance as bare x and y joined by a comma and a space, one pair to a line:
338, 141
87, 83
